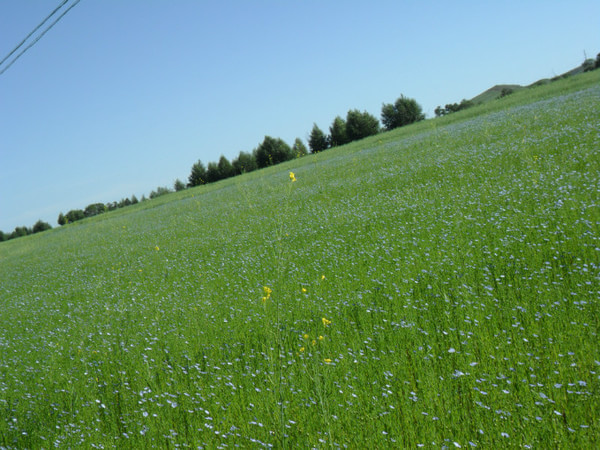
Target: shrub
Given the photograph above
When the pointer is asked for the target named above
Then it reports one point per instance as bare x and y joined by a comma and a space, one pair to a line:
453, 107
588, 65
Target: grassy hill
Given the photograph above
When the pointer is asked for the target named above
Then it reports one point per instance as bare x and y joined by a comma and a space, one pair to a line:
494, 92
436, 285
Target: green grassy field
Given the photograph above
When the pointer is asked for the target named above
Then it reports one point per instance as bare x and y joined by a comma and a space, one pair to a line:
433, 286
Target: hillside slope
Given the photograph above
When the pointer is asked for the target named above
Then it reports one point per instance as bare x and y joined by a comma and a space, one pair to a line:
434, 285
495, 91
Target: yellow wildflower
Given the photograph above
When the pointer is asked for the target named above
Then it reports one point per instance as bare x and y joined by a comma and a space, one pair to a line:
326, 322
322, 277
301, 349
314, 342
304, 290
156, 248
327, 360
292, 177
305, 336
267, 290
321, 338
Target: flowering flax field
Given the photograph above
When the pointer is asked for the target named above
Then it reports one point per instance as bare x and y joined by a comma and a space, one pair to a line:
435, 286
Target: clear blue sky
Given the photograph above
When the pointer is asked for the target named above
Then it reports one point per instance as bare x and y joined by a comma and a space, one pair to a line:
123, 96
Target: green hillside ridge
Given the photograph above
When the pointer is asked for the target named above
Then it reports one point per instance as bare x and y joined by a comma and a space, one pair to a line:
495, 91
436, 285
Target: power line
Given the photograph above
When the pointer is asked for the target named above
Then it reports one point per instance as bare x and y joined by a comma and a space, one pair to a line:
39, 36
34, 30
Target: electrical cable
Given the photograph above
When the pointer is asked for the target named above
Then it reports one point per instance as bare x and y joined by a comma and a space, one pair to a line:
39, 36
34, 30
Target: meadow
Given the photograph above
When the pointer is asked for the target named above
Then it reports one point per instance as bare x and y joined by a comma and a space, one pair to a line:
433, 286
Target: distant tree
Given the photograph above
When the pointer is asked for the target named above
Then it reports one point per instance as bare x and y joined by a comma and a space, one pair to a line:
505, 91
178, 185
244, 162
453, 107
212, 172
337, 132
464, 104
41, 226
588, 65
225, 168
359, 125
94, 209
198, 175
299, 149
134, 200
272, 151
317, 140
111, 206
3, 236
160, 191
123, 203
74, 215
20, 232
62, 220
597, 63
403, 112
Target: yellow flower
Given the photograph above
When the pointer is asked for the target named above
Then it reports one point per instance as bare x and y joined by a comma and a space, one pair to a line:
314, 342
156, 248
301, 349
322, 277
304, 290
267, 290
326, 322
327, 360
292, 176
305, 336
321, 338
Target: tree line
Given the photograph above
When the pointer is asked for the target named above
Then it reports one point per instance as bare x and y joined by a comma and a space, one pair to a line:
355, 126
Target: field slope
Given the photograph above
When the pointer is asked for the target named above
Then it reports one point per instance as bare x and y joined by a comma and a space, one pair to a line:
433, 286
